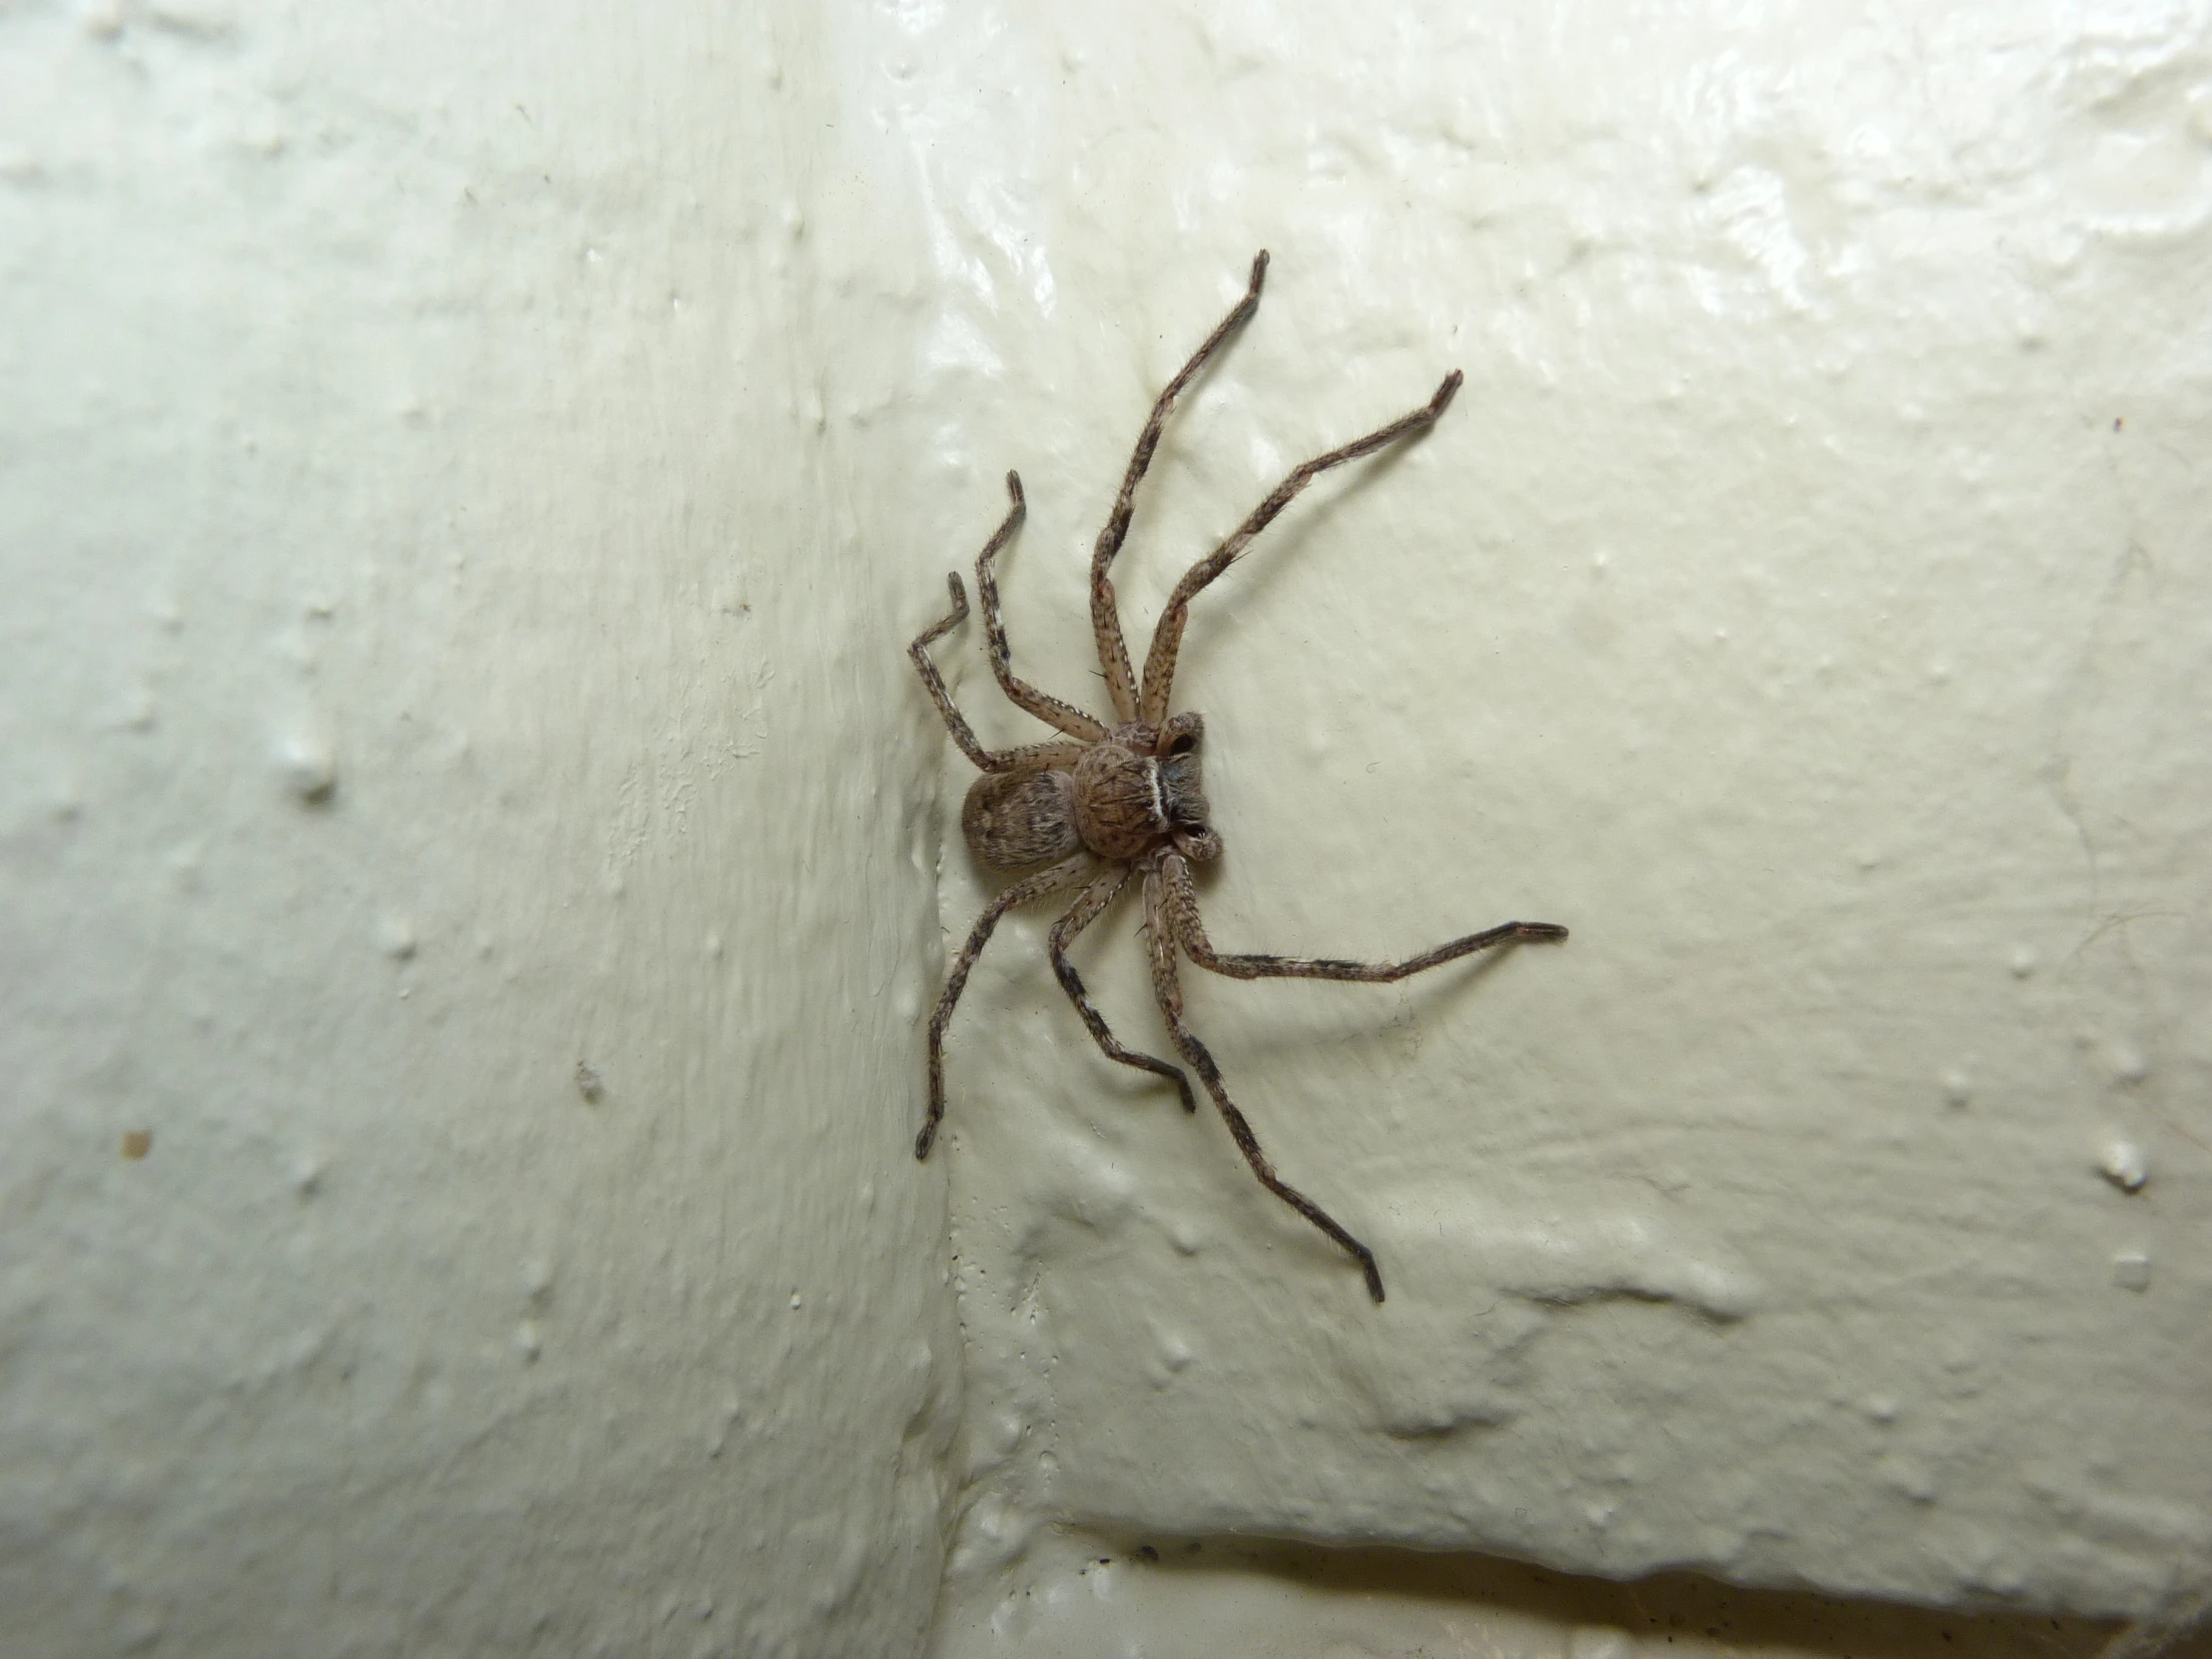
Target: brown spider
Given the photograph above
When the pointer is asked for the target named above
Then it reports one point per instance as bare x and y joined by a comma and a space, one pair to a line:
1106, 802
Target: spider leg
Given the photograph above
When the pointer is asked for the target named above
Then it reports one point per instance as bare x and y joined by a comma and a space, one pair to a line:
1087, 910
1180, 901
1061, 874
1167, 637
1047, 707
1160, 935
1113, 650
1034, 756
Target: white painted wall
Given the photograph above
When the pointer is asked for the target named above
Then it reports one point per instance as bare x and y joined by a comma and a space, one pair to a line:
468, 480
1807, 600
443, 654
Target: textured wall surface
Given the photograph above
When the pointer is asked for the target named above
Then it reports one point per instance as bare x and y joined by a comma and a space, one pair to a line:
467, 831
1809, 600
460, 802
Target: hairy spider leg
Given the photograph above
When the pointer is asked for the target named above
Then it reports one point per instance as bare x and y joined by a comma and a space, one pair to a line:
1167, 637
1181, 902
1161, 939
1047, 707
1062, 874
1087, 910
1113, 650
1036, 756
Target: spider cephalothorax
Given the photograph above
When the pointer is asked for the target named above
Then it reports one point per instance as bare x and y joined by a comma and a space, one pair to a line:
1104, 803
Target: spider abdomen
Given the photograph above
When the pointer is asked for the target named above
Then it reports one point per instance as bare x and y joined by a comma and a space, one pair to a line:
1018, 820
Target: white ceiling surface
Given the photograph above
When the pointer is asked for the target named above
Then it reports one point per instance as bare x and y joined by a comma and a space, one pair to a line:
1808, 600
